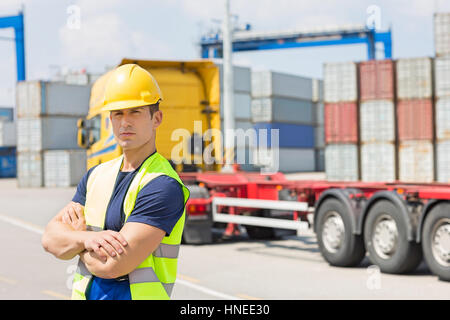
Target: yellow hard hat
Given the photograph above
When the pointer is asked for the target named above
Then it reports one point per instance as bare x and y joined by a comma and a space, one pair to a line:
130, 86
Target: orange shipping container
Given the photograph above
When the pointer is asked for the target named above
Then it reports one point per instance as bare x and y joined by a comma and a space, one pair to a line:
415, 119
376, 80
341, 122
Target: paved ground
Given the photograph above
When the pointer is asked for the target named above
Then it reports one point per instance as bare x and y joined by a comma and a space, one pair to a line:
289, 268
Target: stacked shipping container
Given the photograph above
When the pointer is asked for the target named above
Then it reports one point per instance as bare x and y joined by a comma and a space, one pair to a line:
7, 143
415, 119
47, 114
377, 120
287, 103
341, 121
242, 114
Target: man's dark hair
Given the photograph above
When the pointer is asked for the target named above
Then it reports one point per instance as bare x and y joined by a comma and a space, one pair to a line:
153, 108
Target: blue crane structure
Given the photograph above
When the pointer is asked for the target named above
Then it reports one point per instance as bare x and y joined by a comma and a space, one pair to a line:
211, 45
16, 22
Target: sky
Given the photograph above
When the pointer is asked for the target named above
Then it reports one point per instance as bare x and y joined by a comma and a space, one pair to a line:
94, 35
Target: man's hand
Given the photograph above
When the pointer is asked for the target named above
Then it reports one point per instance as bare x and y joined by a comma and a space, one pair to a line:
74, 216
105, 243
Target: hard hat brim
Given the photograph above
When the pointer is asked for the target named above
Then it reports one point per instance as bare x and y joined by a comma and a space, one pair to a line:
127, 104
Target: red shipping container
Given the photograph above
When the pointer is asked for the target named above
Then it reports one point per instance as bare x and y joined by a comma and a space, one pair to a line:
376, 80
341, 122
415, 119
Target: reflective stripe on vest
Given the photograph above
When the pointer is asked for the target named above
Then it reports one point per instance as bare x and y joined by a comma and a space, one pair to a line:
154, 278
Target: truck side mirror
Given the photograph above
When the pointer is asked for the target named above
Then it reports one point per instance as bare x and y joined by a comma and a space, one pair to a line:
82, 134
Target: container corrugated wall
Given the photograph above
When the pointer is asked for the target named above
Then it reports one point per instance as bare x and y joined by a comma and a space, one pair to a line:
341, 162
341, 122
30, 169
442, 33
46, 133
416, 161
267, 84
378, 161
376, 80
377, 121
340, 82
40, 98
414, 80
278, 109
63, 168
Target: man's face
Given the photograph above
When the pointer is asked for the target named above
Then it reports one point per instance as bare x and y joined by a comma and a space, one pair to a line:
134, 127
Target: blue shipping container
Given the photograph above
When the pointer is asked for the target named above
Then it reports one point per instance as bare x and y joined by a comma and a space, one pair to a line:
8, 162
290, 135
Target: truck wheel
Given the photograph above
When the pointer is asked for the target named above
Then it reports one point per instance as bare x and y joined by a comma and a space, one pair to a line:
385, 238
436, 241
337, 243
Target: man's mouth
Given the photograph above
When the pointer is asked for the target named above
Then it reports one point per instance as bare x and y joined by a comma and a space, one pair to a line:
126, 134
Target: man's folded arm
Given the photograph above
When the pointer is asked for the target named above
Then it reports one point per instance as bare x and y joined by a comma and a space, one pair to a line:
142, 240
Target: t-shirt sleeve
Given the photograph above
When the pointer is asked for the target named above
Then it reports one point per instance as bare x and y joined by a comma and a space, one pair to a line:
160, 204
80, 195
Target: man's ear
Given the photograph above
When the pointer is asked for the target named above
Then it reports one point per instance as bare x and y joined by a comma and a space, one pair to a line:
157, 119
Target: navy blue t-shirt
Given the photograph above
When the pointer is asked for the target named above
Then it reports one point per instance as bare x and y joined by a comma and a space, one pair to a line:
160, 203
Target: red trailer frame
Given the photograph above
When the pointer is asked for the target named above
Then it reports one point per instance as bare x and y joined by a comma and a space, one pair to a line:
413, 203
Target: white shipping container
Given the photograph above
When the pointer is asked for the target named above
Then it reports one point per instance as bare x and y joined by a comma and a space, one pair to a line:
443, 119
37, 98
285, 159
414, 78
341, 162
241, 78
277, 109
378, 162
340, 82
7, 134
46, 133
442, 33
267, 84
64, 168
377, 121
416, 161
443, 161
30, 167
242, 105
317, 88
442, 77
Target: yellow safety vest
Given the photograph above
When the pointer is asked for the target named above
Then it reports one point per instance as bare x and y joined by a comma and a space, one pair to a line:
154, 278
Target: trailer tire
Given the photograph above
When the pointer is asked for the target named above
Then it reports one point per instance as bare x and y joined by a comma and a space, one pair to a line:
385, 239
338, 244
436, 230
